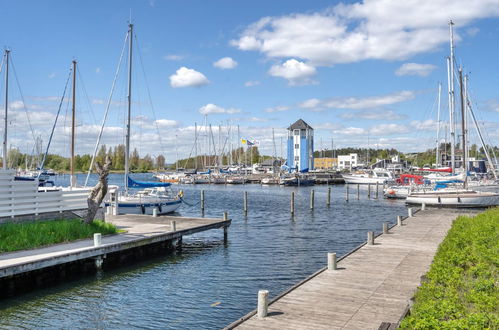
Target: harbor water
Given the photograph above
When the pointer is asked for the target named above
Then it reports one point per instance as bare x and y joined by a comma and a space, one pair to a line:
208, 285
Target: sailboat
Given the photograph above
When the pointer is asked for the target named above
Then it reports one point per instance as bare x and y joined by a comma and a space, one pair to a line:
455, 197
153, 195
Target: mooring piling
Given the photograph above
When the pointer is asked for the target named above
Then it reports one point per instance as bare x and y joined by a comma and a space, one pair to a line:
312, 197
331, 261
328, 202
385, 227
202, 200
370, 238
358, 191
399, 220
376, 190
263, 303
368, 190
245, 202
346, 192
409, 212
292, 203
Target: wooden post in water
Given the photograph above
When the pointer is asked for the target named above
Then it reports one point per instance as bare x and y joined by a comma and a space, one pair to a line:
399, 220
368, 190
292, 203
370, 238
385, 227
331, 261
312, 197
245, 204
202, 200
376, 189
358, 191
346, 193
226, 229
328, 201
263, 303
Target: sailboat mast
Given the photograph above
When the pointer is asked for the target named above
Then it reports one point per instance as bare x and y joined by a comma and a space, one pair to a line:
4, 163
451, 99
73, 114
129, 99
438, 126
463, 128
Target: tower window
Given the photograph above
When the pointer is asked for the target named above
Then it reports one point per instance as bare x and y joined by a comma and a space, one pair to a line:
297, 158
297, 146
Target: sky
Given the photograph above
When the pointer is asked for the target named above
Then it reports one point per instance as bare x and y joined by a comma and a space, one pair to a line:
360, 73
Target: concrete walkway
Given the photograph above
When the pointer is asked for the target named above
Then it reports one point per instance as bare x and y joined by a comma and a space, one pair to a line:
141, 230
371, 286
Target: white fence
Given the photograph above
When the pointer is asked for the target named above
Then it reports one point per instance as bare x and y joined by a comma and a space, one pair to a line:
23, 197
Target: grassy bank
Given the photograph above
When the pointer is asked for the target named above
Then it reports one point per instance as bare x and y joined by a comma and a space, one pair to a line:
30, 235
461, 289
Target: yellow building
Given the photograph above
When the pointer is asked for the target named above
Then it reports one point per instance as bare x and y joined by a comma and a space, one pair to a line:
325, 163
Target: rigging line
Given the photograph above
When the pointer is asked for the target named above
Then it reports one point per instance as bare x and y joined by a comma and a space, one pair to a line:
149, 94
107, 111
55, 123
22, 98
84, 89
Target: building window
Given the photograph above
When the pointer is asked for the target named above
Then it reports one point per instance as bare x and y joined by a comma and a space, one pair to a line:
297, 158
297, 146
353, 157
297, 132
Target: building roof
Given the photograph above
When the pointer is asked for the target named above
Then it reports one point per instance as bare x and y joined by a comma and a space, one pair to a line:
299, 124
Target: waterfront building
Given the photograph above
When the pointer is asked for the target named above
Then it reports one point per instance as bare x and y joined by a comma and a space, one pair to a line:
300, 146
348, 161
325, 163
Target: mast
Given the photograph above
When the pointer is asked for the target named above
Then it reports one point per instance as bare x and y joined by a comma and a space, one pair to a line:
438, 126
196, 145
73, 114
176, 152
4, 163
463, 128
451, 99
129, 99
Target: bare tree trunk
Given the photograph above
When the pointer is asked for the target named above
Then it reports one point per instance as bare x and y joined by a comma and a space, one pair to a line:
99, 191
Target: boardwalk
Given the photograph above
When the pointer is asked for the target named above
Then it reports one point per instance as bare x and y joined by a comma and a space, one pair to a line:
371, 286
140, 230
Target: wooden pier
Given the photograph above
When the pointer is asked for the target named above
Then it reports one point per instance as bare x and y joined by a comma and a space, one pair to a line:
370, 286
141, 231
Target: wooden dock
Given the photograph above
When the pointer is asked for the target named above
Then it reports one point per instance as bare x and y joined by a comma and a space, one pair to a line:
371, 285
141, 230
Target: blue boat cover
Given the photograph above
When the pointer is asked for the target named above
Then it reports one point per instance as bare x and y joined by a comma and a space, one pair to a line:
141, 184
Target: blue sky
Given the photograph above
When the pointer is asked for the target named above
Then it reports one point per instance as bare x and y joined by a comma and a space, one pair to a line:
355, 71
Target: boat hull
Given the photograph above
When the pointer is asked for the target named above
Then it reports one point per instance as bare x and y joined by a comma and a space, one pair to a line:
132, 207
352, 179
456, 200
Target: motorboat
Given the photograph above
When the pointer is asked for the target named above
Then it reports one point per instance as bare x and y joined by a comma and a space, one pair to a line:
368, 177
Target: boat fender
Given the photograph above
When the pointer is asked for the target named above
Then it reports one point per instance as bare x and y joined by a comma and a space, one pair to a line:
160, 208
143, 209
181, 193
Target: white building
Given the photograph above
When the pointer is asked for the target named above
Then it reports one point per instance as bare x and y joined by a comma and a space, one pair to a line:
348, 161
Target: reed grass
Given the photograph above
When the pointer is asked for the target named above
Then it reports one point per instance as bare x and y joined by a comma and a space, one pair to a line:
31, 235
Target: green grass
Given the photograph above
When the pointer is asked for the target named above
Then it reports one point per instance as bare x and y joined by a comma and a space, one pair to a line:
461, 287
30, 235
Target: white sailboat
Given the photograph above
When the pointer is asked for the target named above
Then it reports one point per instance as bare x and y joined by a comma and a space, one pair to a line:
455, 197
154, 195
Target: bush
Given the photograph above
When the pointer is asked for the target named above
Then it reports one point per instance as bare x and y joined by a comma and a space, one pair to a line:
461, 287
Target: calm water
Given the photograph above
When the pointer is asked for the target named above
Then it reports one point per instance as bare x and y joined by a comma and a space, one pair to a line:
208, 285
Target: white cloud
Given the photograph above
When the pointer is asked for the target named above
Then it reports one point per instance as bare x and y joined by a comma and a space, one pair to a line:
52, 75
310, 103
373, 115
251, 83
389, 129
173, 57
166, 123
356, 103
279, 108
225, 63
472, 31
185, 77
296, 72
211, 108
424, 125
372, 29
415, 69
97, 70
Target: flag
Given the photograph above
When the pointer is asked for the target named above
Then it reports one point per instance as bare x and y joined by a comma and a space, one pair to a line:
243, 141
250, 143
